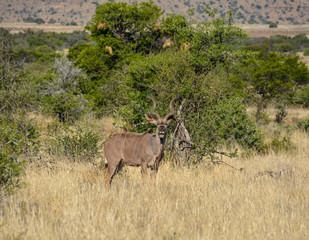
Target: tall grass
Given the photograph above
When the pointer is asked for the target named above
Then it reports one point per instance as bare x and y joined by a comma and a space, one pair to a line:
67, 200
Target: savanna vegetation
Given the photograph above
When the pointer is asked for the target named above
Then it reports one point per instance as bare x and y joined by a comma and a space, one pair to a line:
236, 158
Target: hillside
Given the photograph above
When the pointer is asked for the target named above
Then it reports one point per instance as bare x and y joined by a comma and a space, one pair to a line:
80, 11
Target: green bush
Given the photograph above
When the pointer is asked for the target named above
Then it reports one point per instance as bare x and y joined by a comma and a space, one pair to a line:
210, 112
222, 122
39, 21
17, 136
303, 124
273, 25
281, 113
59, 91
35, 20
67, 107
306, 52
44, 49
42, 53
78, 144
283, 47
278, 144
195, 64
302, 96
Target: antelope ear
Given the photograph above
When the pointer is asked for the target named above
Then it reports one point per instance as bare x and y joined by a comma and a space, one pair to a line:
150, 119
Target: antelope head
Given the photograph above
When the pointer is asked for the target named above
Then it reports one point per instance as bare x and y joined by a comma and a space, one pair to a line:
161, 123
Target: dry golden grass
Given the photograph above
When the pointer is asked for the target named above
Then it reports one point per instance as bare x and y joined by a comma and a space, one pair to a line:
68, 200
304, 58
15, 27
263, 30
293, 114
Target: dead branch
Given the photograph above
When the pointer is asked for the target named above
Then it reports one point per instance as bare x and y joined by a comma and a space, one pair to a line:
217, 162
272, 173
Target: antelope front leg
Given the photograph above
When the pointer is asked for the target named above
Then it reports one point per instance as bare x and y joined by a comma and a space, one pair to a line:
107, 180
153, 175
144, 172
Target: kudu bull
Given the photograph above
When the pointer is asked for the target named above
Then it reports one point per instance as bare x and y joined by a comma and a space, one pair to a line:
133, 149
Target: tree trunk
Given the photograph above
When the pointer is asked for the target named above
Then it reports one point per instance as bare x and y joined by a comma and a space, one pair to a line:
181, 140
259, 109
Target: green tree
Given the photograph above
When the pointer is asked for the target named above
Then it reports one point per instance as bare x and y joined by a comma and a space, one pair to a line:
125, 27
10, 67
209, 115
17, 135
213, 43
141, 63
122, 33
15, 90
273, 25
270, 76
60, 93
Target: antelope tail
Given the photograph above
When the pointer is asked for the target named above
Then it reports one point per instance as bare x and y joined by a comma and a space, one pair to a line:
105, 161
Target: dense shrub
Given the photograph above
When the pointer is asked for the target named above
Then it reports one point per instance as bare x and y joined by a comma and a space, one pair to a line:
210, 112
222, 122
43, 54
162, 56
303, 124
32, 39
78, 144
302, 96
278, 144
17, 136
273, 25
59, 91
68, 107
281, 113
278, 43
270, 76
34, 20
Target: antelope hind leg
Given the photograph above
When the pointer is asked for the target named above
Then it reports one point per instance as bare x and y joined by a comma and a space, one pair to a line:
109, 175
153, 175
144, 172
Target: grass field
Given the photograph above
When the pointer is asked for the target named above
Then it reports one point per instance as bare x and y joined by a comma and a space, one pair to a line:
15, 27
263, 30
269, 199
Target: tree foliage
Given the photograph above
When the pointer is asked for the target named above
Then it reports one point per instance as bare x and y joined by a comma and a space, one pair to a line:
213, 43
122, 33
277, 43
271, 76
59, 91
161, 56
17, 136
9, 66
208, 114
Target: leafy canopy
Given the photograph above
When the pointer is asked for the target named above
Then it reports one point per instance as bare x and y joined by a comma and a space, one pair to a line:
138, 52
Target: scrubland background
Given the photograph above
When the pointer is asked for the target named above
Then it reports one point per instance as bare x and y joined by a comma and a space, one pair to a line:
268, 199
64, 92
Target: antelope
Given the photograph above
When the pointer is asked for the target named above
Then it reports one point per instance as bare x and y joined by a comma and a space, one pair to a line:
133, 149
